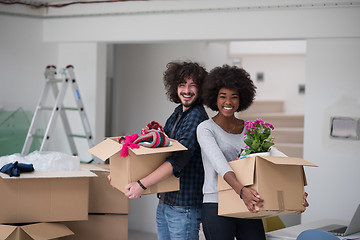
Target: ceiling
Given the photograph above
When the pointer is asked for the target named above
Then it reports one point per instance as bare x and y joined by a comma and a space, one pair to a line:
70, 8
57, 3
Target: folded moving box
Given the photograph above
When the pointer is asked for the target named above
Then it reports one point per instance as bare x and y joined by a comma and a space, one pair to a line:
140, 162
42, 231
279, 181
44, 196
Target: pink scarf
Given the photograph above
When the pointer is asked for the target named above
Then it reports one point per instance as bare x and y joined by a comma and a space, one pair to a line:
128, 143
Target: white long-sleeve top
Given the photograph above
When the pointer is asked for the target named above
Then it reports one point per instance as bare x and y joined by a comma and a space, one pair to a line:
218, 147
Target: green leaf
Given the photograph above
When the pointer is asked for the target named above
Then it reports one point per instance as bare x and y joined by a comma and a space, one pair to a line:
266, 146
248, 141
255, 144
267, 133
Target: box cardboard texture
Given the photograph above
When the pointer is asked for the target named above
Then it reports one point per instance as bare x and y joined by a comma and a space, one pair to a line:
44, 197
279, 181
99, 227
140, 162
103, 198
42, 231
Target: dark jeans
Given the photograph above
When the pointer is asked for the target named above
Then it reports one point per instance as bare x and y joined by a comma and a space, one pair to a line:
226, 228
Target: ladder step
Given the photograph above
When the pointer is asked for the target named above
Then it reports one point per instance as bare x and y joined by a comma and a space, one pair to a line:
70, 108
54, 80
37, 136
64, 108
46, 108
78, 136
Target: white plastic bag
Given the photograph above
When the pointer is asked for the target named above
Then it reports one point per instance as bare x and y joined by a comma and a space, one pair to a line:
45, 161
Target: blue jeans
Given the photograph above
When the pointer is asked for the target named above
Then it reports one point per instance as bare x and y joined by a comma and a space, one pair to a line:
178, 222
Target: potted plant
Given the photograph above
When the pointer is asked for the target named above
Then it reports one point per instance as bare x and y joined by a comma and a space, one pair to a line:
257, 137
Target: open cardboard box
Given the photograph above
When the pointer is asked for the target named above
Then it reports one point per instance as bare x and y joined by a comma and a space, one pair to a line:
279, 181
103, 198
44, 196
140, 162
42, 231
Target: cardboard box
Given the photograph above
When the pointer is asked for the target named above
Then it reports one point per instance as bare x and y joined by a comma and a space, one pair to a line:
100, 226
42, 231
44, 196
140, 162
103, 198
280, 182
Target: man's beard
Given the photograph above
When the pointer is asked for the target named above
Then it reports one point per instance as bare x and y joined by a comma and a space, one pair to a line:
190, 102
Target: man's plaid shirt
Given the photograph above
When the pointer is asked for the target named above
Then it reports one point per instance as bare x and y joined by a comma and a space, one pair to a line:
186, 164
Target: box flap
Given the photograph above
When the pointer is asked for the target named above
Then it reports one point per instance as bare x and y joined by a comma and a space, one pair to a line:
105, 149
244, 170
51, 174
6, 230
287, 161
175, 146
44, 231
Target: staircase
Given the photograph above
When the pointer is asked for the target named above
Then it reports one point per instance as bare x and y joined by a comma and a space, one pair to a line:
289, 128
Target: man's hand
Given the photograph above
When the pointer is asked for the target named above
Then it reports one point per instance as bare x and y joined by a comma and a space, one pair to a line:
135, 190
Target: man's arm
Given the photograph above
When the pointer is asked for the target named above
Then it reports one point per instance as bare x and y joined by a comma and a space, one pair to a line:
176, 162
159, 174
187, 137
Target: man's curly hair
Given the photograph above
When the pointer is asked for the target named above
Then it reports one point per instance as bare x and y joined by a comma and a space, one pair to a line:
177, 72
230, 77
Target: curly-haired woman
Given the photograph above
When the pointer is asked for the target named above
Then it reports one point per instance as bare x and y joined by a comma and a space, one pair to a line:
227, 90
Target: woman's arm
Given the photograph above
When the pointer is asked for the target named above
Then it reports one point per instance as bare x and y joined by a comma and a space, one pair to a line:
250, 197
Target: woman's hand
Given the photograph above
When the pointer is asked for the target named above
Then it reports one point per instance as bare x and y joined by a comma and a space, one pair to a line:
135, 190
305, 202
251, 199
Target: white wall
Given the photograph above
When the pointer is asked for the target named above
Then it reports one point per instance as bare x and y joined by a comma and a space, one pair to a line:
333, 85
282, 76
23, 58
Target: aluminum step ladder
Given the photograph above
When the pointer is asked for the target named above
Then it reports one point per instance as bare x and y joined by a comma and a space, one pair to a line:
68, 78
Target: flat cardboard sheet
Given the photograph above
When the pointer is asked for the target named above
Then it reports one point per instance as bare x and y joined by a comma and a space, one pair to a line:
39, 231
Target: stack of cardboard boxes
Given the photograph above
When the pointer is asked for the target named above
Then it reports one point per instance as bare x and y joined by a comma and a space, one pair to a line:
108, 210
80, 204
32, 204
108, 206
